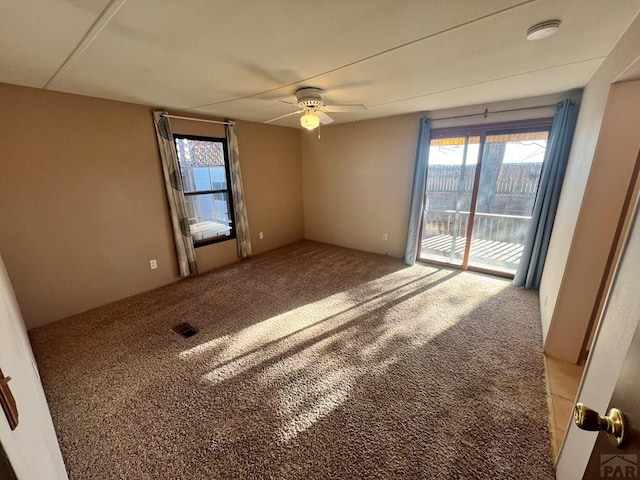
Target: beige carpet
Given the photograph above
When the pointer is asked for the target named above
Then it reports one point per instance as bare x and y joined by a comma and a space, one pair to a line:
311, 362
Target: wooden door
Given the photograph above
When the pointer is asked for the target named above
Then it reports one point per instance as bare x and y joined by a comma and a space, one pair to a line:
608, 461
622, 304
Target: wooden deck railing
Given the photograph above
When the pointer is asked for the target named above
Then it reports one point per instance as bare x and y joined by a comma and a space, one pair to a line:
487, 226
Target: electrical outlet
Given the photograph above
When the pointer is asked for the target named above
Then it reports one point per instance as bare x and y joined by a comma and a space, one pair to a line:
261, 234
153, 264
384, 237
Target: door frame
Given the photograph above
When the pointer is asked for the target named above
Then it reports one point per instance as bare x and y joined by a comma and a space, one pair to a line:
617, 244
34, 437
572, 449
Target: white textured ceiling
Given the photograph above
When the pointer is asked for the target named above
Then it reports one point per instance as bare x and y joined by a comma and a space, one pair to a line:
237, 59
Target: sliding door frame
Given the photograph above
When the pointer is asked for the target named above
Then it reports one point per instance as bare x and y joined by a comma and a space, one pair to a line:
473, 203
481, 131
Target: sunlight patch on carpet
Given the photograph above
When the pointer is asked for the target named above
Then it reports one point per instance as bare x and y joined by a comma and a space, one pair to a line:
233, 354
271, 329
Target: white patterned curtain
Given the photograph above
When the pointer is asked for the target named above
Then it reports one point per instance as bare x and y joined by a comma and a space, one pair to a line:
177, 206
242, 224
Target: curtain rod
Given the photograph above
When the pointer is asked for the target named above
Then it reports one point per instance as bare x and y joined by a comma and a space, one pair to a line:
487, 112
193, 119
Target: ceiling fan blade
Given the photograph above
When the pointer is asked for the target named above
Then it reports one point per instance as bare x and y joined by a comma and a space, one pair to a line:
283, 116
344, 108
288, 103
324, 118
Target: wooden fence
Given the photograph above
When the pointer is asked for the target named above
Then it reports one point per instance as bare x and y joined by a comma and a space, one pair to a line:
516, 178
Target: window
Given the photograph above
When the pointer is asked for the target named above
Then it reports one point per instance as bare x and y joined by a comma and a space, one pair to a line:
204, 166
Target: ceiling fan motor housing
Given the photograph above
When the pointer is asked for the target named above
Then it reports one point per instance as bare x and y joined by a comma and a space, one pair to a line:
309, 98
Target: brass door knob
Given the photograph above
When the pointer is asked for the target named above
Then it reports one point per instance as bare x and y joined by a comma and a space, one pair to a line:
614, 423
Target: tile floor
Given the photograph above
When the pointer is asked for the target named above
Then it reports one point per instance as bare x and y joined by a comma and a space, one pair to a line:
563, 379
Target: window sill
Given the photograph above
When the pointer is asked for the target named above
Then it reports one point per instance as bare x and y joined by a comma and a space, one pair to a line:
211, 241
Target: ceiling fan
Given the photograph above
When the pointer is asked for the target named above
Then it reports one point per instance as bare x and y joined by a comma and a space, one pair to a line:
314, 109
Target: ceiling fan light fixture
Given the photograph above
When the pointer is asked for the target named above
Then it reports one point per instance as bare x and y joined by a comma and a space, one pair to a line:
313, 109
543, 30
310, 121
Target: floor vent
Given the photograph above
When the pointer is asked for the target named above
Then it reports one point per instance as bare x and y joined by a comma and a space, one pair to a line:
185, 330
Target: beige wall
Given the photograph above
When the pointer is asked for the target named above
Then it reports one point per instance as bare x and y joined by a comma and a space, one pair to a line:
565, 293
357, 182
272, 176
83, 207
613, 162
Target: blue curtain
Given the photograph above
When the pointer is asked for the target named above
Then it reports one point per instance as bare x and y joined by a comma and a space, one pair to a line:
417, 192
536, 245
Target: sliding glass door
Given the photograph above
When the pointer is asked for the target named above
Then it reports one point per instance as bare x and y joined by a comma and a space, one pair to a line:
511, 166
450, 180
481, 188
